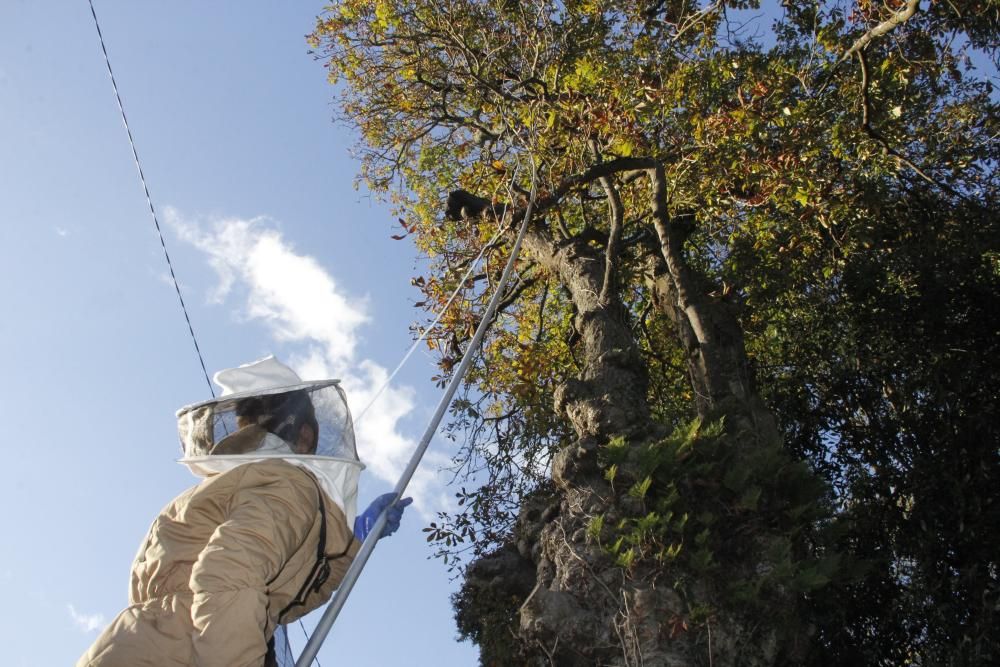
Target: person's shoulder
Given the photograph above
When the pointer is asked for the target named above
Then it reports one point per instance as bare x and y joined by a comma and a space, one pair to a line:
275, 467
274, 477
276, 473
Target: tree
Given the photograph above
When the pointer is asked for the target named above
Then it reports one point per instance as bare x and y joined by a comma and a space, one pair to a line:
739, 406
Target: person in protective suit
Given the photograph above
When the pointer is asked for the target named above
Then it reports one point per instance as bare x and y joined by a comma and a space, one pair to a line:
263, 540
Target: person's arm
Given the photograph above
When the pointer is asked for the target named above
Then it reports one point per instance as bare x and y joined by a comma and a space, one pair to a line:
269, 517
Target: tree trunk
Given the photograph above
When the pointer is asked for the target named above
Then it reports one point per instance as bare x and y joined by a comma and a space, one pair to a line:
707, 326
582, 608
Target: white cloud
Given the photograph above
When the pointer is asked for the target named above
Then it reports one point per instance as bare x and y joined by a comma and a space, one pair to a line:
62, 231
86, 622
290, 292
305, 308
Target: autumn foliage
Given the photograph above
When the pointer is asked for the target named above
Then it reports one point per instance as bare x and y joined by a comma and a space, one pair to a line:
765, 241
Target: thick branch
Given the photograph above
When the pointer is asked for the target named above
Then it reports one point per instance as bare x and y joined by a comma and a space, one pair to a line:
463, 204
609, 398
707, 328
671, 242
883, 28
617, 214
592, 174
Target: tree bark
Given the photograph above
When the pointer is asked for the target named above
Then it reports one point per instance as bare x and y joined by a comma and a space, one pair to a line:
707, 326
582, 608
609, 397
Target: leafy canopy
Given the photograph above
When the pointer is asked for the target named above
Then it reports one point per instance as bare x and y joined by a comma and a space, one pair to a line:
836, 162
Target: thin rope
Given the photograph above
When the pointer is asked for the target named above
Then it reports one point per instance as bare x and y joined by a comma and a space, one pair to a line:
368, 546
423, 335
306, 633
427, 330
149, 200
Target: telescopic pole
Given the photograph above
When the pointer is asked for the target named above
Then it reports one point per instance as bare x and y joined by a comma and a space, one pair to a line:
351, 577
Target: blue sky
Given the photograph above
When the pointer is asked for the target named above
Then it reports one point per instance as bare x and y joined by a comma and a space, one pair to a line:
255, 188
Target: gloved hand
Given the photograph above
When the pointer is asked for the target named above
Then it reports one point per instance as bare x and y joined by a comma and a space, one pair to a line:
366, 520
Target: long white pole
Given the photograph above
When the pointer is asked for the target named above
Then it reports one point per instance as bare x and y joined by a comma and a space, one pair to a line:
333, 609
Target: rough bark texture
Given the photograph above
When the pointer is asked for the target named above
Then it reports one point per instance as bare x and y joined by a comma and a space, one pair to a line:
707, 326
580, 607
573, 615
609, 397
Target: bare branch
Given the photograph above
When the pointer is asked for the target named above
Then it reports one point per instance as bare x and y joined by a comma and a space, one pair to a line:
561, 224
874, 134
617, 213
541, 312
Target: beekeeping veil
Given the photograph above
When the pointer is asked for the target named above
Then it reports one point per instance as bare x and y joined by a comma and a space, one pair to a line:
266, 411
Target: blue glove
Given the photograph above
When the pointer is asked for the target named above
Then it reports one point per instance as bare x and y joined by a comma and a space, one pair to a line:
366, 520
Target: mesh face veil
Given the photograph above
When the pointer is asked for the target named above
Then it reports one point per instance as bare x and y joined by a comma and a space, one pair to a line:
308, 419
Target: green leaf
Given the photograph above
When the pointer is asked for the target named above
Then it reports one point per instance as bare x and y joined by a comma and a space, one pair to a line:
595, 526
639, 489
750, 498
611, 472
626, 558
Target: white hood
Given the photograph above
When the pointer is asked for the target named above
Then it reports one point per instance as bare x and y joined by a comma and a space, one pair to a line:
260, 401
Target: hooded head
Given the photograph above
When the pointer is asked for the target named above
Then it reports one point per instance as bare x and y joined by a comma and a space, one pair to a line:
267, 411
290, 416
266, 398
